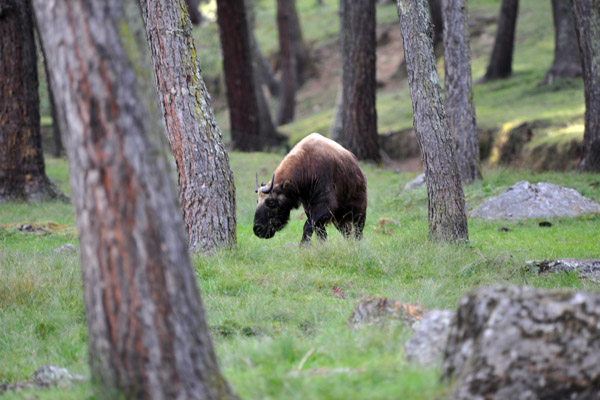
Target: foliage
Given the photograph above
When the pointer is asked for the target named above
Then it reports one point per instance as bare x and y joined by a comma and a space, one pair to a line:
270, 303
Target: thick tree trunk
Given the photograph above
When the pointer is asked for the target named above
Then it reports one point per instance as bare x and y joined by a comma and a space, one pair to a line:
567, 59
459, 89
500, 65
249, 132
359, 116
587, 24
287, 100
447, 218
148, 336
206, 188
22, 170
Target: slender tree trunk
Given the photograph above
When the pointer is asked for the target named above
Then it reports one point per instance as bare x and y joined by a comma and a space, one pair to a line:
359, 116
249, 132
437, 19
287, 100
193, 11
459, 89
148, 336
447, 218
336, 126
265, 72
500, 65
299, 48
206, 188
567, 60
22, 170
587, 24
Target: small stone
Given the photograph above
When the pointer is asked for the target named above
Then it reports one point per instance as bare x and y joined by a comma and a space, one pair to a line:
66, 248
380, 309
415, 183
49, 375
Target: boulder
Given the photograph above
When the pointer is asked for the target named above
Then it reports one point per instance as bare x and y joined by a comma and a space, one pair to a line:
525, 343
427, 345
585, 268
524, 200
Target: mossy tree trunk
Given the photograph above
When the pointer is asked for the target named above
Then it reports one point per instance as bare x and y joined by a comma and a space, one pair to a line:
459, 89
22, 170
206, 187
587, 24
500, 64
251, 129
287, 98
147, 332
447, 217
359, 116
567, 59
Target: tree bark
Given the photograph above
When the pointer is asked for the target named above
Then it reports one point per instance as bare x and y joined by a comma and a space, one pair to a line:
459, 89
447, 218
206, 187
587, 24
567, 59
287, 100
500, 65
148, 336
359, 116
22, 170
249, 132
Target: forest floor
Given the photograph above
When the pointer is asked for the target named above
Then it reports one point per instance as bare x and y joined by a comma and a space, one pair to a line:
279, 328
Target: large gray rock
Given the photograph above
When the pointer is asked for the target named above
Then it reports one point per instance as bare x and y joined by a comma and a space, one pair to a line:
427, 345
525, 343
585, 268
543, 200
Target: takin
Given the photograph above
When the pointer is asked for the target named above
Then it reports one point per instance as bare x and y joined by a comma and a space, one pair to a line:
322, 176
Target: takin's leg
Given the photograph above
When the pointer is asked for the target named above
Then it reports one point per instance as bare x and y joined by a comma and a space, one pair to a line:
359, 225
315, 223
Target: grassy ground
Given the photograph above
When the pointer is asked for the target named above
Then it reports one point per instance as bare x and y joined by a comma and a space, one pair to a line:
269, 302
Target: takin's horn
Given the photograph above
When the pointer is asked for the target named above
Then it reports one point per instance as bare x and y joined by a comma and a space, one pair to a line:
256, 184
268, 190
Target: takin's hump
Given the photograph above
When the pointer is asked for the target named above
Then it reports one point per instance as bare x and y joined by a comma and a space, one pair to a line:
524, 200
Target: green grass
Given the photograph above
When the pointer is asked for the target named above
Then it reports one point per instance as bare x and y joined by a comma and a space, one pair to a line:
270, 302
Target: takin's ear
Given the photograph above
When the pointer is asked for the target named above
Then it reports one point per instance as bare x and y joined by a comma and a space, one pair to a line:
286, 183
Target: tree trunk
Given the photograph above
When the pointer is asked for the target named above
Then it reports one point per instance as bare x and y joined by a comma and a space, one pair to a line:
500, 65
265, 72
206, 187
447, 218
193, 11
359, 116
567, 59
22, 170
459, 89
287, 100
148, 336
437, 19
587, 24
249, 132
299, 48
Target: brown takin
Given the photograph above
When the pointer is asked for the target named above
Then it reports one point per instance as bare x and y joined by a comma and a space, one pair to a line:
322, 176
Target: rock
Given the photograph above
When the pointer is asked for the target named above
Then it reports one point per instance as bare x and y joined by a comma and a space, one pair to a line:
427, 346
543, 200
381, 309
587, 268
415, 183
49, 375
66, 248
525, 343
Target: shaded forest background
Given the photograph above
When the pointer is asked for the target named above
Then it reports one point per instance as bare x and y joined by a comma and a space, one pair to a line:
552, 114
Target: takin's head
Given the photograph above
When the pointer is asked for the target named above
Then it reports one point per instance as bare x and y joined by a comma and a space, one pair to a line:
273, 208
